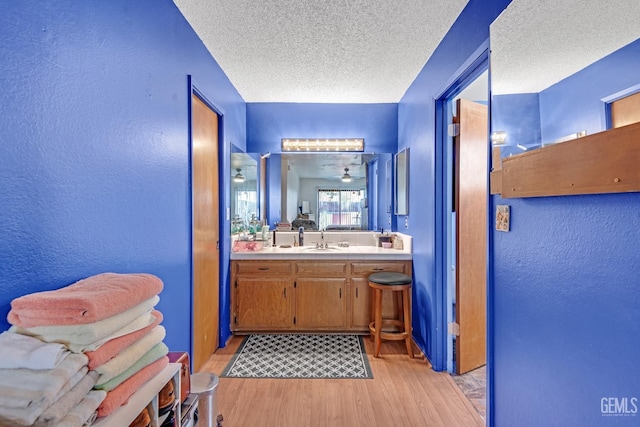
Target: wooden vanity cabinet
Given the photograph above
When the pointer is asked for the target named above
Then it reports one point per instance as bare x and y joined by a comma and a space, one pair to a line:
321, 295
262, 297
306, 295
264, 303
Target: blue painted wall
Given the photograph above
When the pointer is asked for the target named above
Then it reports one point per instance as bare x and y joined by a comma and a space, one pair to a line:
417, 130
566, 296
268, 123
94, 154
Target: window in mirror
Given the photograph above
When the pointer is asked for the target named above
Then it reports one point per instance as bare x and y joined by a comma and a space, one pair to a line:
340, 209
402, 182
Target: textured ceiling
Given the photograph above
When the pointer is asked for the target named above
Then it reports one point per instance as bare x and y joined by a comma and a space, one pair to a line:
332, 51
535, 44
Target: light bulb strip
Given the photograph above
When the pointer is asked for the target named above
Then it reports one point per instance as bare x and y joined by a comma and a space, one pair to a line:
326, 144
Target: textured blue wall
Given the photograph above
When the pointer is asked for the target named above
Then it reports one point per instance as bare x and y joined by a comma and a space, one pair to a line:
566, 295
416, 117
268, 123
94, 154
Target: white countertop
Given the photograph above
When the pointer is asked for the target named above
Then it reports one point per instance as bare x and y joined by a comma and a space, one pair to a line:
358, 253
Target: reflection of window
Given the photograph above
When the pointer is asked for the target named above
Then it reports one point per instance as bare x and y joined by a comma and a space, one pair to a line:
246, 203
340, 207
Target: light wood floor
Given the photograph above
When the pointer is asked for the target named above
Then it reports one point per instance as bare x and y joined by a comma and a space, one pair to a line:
403, 392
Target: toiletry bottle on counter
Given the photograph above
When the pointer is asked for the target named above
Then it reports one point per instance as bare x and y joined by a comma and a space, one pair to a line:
301, 236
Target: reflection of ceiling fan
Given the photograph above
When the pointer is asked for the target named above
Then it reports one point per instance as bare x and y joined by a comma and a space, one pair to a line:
346, 177
238, 177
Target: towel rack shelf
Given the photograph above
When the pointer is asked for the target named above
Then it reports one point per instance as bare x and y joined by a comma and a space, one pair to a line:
146, 396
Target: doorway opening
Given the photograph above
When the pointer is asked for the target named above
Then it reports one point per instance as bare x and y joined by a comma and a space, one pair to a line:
463, 119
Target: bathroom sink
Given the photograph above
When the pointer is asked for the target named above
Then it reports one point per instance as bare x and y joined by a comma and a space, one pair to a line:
330, 248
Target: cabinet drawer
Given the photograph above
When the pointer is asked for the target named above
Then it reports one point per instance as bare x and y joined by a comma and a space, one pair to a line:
261, 268
321, 269
363, 269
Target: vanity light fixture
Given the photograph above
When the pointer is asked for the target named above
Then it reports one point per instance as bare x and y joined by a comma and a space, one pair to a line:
323, 144
499, 137
238, 177
346, 177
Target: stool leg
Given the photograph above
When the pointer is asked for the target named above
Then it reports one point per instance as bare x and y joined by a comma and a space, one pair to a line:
378, 321
398, 295
372, 315
407, 320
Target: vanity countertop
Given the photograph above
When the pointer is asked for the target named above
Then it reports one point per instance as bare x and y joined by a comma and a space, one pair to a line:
358, 253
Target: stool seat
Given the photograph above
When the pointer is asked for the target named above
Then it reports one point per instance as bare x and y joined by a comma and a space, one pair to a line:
390, 278
399, 285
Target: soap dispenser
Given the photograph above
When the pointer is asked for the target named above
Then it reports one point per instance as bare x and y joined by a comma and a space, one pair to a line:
301, 236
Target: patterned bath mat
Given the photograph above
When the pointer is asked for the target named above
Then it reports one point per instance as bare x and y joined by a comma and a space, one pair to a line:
299, 356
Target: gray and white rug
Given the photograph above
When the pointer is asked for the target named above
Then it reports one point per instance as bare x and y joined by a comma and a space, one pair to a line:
300, 356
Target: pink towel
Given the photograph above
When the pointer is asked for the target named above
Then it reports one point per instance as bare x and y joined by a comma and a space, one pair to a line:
111, 348
86, 301
121, 394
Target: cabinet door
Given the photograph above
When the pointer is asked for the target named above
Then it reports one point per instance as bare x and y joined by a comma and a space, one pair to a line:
361, 296
321, 303
263, 303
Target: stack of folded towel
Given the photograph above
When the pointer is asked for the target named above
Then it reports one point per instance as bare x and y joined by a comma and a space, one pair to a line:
44, 384
109, 320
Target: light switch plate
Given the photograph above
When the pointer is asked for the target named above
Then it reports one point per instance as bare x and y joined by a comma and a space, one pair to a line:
503, 218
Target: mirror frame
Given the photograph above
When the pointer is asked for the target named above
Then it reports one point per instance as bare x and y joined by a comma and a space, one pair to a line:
401, 166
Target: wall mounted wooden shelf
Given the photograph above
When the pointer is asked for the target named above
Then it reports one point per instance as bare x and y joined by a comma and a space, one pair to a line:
605, 162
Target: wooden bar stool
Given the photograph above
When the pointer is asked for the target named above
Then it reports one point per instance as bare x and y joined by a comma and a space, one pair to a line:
395, 282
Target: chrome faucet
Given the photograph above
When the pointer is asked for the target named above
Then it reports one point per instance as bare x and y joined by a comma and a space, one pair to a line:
322, 244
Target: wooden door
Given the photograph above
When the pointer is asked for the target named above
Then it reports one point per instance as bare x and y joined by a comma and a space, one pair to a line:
206, 260
263, 303
625, 111
321, 303
471, 234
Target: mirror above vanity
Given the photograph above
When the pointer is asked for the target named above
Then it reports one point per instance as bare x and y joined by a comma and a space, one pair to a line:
402, 182
328, 190
559, 73
554, 70
325, 189
244, 191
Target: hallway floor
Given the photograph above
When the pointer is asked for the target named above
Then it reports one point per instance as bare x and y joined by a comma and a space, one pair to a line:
403, 392
474, 385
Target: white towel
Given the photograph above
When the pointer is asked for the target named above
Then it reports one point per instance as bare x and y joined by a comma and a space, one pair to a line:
130, 355
84, 413
61, 407
79, 337
22, 351
13, 397
48, 382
